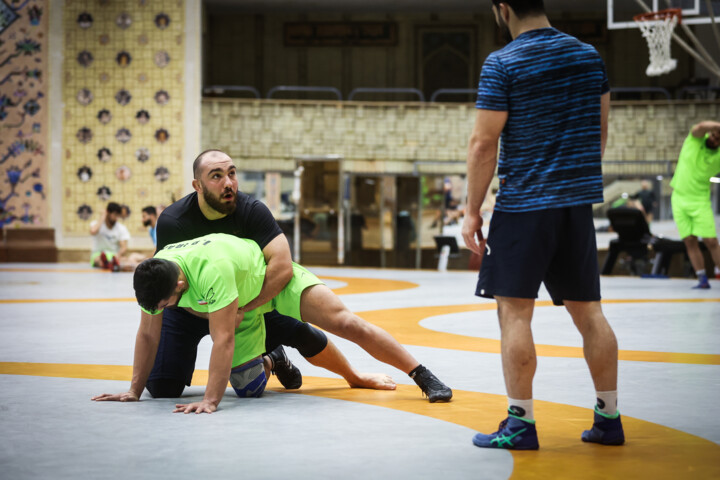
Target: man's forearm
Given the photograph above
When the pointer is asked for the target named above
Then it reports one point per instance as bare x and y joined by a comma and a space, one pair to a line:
219, 370
144, 359
146, 344
703, 128
277, 275
604, 118
482, 159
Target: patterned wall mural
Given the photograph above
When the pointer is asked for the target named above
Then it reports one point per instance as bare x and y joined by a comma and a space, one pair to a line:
123, 107
23, 113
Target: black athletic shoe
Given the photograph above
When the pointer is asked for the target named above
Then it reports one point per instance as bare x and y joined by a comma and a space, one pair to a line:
435, 390
288, 374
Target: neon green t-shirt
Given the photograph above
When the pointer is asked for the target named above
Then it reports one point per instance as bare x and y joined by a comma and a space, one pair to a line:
696, 165
219, 268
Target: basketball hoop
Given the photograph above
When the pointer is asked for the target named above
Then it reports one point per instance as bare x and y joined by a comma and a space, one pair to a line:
657, 28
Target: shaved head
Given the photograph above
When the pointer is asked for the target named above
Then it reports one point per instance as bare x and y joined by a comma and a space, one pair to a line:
199, 160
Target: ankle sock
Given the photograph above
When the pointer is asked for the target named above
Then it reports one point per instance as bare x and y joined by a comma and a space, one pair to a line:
700, 273
607, 403
522, 409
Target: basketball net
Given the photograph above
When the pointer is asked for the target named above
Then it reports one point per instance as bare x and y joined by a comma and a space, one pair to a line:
657, 28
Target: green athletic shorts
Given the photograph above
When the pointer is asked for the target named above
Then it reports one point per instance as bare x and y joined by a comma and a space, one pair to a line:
95, 256
248, 338
287, 301
693, 216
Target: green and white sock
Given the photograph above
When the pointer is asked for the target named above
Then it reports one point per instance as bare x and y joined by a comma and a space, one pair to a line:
607, 403
522, 409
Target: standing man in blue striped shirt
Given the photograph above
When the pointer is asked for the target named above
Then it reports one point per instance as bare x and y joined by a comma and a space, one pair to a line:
545, 98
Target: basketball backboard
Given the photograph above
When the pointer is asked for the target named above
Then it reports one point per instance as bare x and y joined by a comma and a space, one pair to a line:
694, 12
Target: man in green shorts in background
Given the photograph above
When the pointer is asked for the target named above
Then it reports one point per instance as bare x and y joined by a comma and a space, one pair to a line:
211, 276
692, 210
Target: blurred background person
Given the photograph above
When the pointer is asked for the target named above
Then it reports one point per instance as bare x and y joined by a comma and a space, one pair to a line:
149, 220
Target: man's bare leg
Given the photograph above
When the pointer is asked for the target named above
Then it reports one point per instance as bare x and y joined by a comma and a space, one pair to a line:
599, 343
714, 247
517, 431
516, 342
321, 307
130, 262
330, 358
693, 250
601, 354
267, 365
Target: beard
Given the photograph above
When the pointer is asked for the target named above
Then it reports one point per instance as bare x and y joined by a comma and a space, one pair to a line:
504, 30
147, 223
217, 204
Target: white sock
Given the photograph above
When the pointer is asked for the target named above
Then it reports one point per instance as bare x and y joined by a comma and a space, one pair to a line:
521, 408
717, 270
607, 402
700, 273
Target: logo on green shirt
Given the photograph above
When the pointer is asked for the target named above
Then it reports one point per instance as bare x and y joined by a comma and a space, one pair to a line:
209, 298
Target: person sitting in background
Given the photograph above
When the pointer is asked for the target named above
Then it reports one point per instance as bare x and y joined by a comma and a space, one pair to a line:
646, 197
110, 241
149, 219
124, 212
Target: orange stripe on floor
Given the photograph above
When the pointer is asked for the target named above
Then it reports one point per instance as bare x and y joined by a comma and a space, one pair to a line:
404, 325
353, 285
55, 270
66, 300
651, 451
369, 285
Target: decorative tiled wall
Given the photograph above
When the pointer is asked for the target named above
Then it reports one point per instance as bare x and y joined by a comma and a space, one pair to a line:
647, 131
123, 107
23, 114
398, 138
371, 137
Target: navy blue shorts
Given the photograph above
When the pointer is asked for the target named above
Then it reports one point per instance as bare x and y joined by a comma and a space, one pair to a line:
554, 246
177, 351
182, 331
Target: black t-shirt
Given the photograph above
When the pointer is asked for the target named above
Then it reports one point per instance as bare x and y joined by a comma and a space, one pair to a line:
647, 198
183, 220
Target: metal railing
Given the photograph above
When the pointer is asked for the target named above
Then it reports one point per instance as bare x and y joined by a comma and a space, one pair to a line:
642, 90
451, 91
220, 89
690, 92
703, 92
298, 88
412, 91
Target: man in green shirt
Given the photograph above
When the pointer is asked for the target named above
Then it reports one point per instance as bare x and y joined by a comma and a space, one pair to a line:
699, 161
211, 276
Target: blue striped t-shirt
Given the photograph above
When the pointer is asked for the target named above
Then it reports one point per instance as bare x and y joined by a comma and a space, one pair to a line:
550, 84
